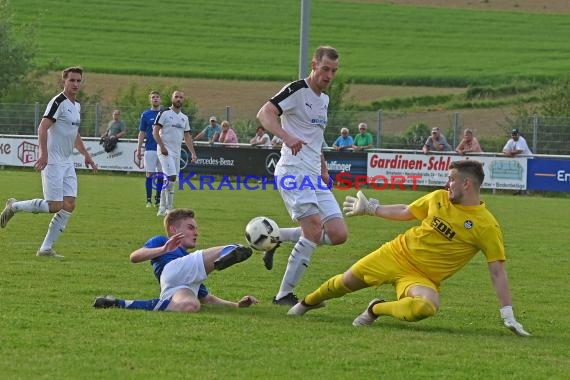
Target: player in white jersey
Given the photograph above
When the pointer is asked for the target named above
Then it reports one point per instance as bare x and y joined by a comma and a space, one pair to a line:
58, 134
302, 106
170, 128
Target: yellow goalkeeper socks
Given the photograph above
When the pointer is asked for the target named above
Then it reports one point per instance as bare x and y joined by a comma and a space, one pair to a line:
409, 309
332, 288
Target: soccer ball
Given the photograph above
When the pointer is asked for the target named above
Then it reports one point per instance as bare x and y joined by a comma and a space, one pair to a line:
262, 233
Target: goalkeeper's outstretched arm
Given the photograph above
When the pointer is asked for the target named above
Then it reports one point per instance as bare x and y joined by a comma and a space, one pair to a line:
360, 205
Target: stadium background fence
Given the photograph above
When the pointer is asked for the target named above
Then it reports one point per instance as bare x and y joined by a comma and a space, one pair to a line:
545, 135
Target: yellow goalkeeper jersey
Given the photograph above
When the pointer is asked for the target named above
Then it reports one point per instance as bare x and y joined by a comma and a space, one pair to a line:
448, 237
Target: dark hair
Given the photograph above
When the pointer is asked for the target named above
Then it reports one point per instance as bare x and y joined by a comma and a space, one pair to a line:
73, 69
176, 215
471, 168
325, 51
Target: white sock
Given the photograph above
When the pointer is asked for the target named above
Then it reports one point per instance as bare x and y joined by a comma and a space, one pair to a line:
290, 234
298, 262
163, 199
170, 196
33, 205
56, 227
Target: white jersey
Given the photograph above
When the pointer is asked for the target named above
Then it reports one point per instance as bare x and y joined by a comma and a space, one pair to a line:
173, 125
520, 144
61, 136
304, 115
259, 139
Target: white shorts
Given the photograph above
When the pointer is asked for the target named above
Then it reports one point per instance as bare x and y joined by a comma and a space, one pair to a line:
58, 181
305, 194
170, 164
151, 162
187, 272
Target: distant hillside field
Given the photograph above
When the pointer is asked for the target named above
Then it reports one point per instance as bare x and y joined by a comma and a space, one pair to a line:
238, 53
379, 42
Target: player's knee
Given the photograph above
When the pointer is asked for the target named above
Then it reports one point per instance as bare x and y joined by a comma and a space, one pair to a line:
339, 237
313, 232
55, 206
422, 309
188, 306
336, 231
172, 178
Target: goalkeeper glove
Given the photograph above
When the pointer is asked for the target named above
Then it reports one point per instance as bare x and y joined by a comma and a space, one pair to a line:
360, 205
511, 323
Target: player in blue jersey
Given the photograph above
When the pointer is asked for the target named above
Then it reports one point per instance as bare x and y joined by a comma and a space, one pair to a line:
151, 162
181, 274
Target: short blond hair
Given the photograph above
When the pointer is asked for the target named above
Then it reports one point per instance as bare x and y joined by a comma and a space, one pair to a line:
73, 69
176, 215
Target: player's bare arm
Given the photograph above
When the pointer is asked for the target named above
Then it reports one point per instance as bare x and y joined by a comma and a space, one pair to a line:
145, 254
245, 301
42, 161
500, 282
360, 205
159, 142
501, 285
190, 145
324, 170
395, 212
81, 149
140, 140
268, 116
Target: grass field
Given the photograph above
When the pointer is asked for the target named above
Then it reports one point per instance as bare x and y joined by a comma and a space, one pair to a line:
379, 42
48, 328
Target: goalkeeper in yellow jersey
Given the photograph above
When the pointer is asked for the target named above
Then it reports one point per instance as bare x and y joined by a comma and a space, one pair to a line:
455, 225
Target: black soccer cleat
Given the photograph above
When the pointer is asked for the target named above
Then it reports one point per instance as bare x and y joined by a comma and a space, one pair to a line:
288, 300
237, 255
268, 257
105, 302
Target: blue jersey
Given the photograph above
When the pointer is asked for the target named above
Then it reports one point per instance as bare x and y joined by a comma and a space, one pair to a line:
158, 263
148, 118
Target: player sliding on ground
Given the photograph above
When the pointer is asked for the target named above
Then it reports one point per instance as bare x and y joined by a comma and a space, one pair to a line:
455, 225
181, 274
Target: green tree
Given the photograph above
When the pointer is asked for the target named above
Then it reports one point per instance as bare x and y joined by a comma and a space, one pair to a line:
555, 100
416, 135
339, 115
19, 75
551, 113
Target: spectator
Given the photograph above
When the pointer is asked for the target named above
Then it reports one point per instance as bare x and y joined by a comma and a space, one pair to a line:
211, 132
516, 145
344, 141
363, 140
436, 142
116, 127
261, 138
468, 144
276, 142
228, 135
